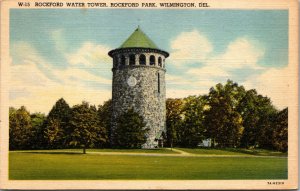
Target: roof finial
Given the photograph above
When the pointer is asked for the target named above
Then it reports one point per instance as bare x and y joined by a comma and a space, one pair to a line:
139, 22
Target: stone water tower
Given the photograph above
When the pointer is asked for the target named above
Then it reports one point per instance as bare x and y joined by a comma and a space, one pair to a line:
139, 83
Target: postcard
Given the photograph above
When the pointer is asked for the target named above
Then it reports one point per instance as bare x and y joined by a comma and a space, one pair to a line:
158, 94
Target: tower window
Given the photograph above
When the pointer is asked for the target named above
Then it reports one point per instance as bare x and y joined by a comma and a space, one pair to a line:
131, 59
152, 60
158, 83
142, 59
159, 61
123, 60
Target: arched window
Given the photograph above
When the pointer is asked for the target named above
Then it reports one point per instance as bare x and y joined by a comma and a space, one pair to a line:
142, 59
158, 83
159, 61
152, 60
131, 59
123, 60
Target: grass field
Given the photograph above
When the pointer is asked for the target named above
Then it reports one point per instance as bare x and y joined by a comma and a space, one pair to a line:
232, 151
75, 166
75, 151
133, 150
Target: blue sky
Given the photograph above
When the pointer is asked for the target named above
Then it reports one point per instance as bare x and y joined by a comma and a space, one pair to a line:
63, 52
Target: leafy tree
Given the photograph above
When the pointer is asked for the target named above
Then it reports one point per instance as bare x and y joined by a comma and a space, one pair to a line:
54, 133
19, 128
61, 110
280, 135
37, 140
265, 133
57, 131
130, 131
192, 129
249, 110
174, 115
257, 112
104, 114
86, 128
265, 129
223, 122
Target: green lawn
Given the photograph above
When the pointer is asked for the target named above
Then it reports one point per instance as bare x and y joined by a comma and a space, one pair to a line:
58, 151
232, 151
161, 151
72, 166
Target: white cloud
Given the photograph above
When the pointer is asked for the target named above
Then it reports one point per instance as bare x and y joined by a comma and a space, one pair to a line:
208, 71
77, 76
179, 93
240, 53
177, 79
195, 47
274, 83
190, 47
30, 86
179, 86
27, 74
90, 54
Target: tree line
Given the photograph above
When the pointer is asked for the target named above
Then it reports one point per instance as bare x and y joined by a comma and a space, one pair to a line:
82, 126
229, 115
63, 127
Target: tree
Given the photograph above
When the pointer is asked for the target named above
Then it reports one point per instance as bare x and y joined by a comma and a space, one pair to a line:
192, 130
222, 121
130, 131
280, 135
173, 119
54, 134
85, 126
104, 114
19, 128
37, 140
56, 130
250, 114
265, 129
258, 113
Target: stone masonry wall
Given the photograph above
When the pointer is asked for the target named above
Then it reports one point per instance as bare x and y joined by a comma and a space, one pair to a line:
144, 97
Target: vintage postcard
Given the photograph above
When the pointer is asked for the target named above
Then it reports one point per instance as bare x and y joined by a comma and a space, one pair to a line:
158, 94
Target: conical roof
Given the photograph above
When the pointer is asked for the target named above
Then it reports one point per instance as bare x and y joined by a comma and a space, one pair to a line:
138, 39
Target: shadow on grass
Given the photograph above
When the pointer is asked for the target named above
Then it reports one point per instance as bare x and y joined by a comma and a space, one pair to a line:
255, 152
249, 152
55, 152
258, 152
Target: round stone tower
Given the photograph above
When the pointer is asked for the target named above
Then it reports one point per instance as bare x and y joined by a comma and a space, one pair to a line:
139, 83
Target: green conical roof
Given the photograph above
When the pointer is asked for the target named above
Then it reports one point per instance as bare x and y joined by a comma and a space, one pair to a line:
138, 39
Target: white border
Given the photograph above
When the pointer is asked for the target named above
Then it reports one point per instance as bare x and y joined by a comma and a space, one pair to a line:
291, 183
